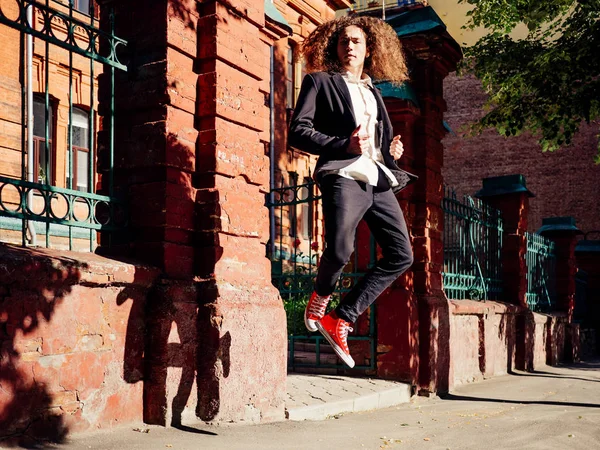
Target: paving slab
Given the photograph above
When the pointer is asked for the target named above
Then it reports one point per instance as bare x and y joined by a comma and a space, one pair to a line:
316, 397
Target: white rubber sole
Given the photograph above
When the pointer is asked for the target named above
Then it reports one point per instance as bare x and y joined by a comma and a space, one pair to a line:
311, 325
338, 350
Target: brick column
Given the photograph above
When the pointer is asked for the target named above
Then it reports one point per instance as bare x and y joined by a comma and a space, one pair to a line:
563, 231
191, 128
397, 309
510, 195
587, 253
417, 299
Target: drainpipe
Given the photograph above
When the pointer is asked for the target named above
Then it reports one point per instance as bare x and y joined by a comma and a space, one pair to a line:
272, 151
30, 160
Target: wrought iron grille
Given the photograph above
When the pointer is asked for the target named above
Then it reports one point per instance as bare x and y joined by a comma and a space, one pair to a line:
364, 5
472, 248
295, 248
541, 273
48, 178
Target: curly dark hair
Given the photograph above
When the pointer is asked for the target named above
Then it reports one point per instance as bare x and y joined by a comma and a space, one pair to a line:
385, 62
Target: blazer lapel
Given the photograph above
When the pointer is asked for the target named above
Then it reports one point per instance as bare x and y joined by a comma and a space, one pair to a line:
342, 88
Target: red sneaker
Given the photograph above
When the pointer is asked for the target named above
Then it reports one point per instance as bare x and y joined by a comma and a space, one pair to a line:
315, 310
335, 330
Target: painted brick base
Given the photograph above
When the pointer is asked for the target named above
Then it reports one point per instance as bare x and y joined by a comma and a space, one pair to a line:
490, 339
71, 342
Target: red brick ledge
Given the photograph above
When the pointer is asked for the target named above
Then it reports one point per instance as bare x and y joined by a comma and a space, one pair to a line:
24, 263
473, 307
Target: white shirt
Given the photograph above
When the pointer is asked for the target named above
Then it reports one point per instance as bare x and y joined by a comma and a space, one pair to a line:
365, 111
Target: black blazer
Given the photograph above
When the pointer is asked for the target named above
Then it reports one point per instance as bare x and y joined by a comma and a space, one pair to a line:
324, 119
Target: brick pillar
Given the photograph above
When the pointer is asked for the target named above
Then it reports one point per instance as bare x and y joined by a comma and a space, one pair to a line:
587, 253
191, 128
397, 309
510, 195
564, 232
417, 301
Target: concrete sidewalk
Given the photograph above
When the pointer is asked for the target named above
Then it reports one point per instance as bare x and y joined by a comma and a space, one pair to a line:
317, 397
555, 408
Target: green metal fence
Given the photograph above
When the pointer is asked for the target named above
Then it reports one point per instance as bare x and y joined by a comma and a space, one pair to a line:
541, 270
472, 248
44, 204
363, 5
295, 249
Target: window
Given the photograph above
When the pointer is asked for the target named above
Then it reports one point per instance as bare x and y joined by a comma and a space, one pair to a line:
300, 71
293, 216
289, 79
81, 151
82, 6
43, 157
306, 194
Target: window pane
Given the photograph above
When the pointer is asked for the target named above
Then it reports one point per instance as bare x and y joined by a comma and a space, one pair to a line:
80, 137
80, 121
290, 79
44, 173
82, 170
83, 6
39, 119
307, 220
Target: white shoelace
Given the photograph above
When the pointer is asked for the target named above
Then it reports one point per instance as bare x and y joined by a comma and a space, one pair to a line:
318, 306
344, 328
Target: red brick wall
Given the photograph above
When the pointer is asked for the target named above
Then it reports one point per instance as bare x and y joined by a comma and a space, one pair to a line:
566, 183
71, 342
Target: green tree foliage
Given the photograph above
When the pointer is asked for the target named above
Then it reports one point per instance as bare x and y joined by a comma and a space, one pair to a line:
546, 83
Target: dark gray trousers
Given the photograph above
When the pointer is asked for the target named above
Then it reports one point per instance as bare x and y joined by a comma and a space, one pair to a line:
345, 203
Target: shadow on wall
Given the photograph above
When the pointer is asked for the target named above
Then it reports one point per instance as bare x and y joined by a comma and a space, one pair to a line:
31, 287
175, 359
506, 333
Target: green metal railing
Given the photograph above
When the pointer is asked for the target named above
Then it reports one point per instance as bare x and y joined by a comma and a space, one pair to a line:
541, 271
472, 248
295, 248
365, 5
33, 199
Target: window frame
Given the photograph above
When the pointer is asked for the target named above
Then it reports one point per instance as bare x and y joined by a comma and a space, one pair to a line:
76, 149
39, 141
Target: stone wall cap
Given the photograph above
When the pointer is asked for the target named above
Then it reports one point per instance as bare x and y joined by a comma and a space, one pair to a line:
415, 20
503, 185
552, 224
587, 246
273, 14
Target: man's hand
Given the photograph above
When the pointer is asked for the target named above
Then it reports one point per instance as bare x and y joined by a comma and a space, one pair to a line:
396, 148
357, 144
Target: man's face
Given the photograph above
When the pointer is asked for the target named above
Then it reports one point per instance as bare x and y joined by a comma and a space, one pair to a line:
352, 47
